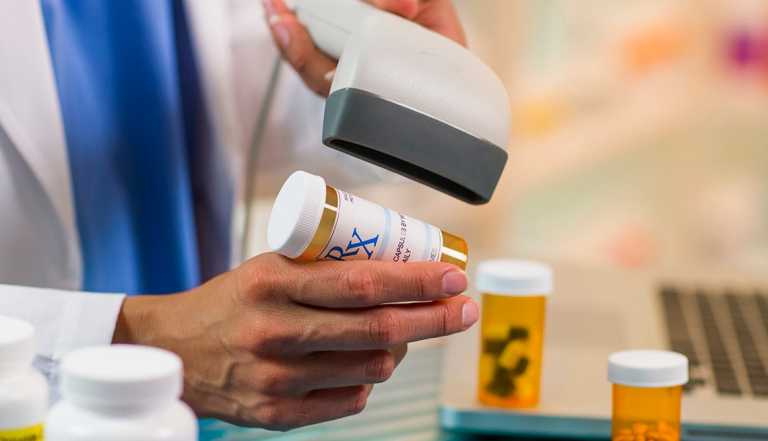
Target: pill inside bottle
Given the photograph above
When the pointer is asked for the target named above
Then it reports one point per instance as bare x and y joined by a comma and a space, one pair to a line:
313, 221
514, 299
647, 394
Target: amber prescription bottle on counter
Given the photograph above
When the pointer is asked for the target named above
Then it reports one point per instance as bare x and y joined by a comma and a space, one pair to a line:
311, 220
647, 394
514, 297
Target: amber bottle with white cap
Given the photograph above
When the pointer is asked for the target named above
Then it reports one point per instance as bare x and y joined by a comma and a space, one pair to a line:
121, 393
514, 300
311, 221
647, 394
23, 391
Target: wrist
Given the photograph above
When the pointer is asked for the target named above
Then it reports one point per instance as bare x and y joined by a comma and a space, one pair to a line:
138, 322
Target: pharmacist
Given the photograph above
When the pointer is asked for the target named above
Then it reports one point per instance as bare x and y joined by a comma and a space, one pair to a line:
121, 137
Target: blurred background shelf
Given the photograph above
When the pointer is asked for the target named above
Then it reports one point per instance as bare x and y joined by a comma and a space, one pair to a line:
640, 136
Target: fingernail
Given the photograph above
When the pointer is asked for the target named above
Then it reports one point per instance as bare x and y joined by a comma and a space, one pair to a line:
454, 282
269, 8
329, 75
469, 314
282, 33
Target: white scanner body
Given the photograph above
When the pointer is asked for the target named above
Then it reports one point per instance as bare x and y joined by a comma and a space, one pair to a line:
409, 99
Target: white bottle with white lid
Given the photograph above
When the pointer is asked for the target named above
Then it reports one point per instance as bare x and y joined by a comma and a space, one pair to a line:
121, 393
23, 390
312, 220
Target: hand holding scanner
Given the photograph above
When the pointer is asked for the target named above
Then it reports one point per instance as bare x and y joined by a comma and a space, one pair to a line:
409, 99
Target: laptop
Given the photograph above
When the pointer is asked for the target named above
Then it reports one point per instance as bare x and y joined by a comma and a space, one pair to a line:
719, 321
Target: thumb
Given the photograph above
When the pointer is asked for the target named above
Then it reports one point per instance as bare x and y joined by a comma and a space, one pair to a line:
405, 8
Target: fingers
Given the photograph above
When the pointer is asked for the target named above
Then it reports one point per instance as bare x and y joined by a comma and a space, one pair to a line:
331, 404
388, 326
364, 284
404, 8
291, 308
322, 370
298, 49
441, 17
280, 333
437, 15
316, 68
399, 352
315, 407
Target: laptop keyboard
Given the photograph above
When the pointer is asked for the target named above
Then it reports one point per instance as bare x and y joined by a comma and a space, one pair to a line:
724, 335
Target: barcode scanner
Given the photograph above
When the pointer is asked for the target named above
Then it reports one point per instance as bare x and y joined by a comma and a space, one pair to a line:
409, 99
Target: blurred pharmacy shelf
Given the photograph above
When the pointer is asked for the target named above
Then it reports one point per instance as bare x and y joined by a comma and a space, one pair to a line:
639, 135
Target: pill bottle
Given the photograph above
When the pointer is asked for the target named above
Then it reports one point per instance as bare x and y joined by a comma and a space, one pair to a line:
647, 394
311, 221
514, 298
23, 390
121, 393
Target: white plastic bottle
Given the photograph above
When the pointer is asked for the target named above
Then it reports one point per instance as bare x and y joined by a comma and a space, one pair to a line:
121, 393
312, 220
23, 390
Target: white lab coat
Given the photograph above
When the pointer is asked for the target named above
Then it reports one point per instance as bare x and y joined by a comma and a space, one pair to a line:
39, 245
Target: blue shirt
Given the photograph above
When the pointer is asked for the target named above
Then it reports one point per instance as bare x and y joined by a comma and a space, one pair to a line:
140, 148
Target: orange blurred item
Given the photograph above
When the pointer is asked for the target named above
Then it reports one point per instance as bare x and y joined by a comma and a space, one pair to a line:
641, 413
647, 395
633, 247
512, 331
539, 116
653, 46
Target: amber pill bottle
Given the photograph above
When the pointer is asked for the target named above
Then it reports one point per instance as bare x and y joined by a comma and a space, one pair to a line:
514, 303
647, 394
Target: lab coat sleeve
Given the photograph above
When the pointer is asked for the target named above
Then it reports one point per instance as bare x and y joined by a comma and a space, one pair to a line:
64, 320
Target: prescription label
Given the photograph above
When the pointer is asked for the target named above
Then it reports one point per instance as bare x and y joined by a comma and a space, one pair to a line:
34, 433
366, 231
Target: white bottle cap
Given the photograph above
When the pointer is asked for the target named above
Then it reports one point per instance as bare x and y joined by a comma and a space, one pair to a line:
647, 368
514, 278
17, 342
120, 375
296, 214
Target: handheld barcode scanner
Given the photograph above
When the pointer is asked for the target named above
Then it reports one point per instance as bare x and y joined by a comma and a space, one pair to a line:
410, 100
